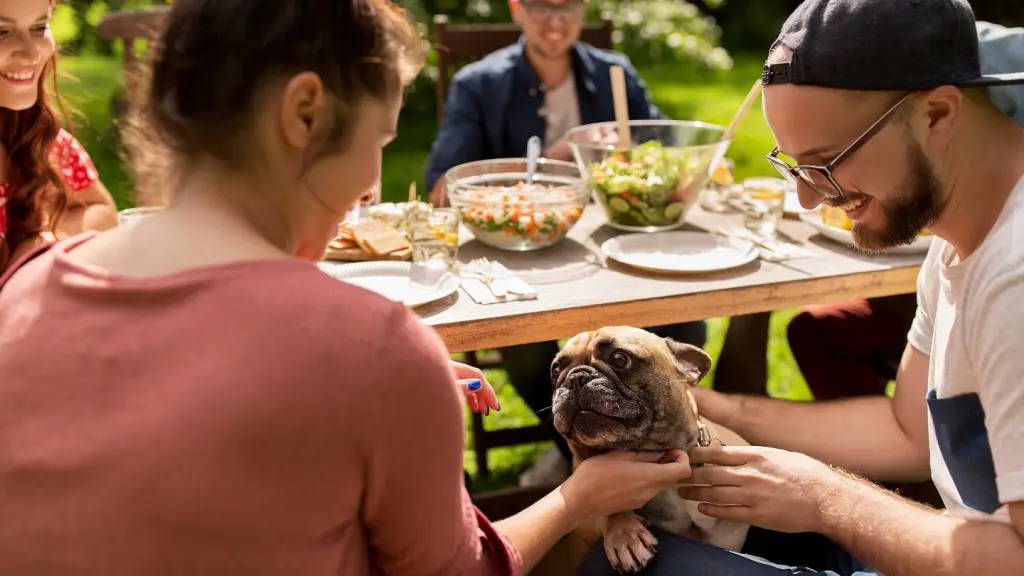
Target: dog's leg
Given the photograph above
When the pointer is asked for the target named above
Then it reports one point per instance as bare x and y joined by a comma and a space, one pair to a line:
628, 543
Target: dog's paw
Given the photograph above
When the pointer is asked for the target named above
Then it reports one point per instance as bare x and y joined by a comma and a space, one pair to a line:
628, 543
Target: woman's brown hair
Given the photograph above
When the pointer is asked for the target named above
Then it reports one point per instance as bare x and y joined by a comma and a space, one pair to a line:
215, 56
36, 189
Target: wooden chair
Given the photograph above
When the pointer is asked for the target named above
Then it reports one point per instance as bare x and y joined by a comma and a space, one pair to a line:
130, 26
458, 45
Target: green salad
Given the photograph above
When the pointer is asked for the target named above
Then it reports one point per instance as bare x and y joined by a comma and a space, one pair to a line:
647, 186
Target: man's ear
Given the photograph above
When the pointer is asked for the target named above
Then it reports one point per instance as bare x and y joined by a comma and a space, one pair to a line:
516, 9
691, 362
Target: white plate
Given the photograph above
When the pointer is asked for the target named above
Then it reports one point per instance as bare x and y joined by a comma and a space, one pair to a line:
813, 217
392, 280
680, 251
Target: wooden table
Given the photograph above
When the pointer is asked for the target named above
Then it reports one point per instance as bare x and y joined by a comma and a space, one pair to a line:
578, 293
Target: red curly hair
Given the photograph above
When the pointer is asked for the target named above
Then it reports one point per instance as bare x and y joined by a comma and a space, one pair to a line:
36, 186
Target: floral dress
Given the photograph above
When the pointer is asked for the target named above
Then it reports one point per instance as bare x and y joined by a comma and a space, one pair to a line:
75, 167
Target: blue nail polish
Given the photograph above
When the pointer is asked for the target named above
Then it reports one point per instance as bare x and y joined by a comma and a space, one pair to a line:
661, 451
499, 407
474, 385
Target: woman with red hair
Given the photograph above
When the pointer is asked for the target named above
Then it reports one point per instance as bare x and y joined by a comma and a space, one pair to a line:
48, 186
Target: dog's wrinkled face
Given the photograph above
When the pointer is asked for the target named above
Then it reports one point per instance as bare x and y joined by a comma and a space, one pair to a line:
623, 388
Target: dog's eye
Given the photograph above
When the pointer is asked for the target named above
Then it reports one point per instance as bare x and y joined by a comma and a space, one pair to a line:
556, 369
620, 360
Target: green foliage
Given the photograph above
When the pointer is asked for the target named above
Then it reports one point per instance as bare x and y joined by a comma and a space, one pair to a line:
672, 31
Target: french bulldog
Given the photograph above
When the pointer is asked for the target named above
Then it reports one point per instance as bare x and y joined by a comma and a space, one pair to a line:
623, 388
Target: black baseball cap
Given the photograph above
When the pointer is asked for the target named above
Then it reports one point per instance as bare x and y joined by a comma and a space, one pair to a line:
882, 45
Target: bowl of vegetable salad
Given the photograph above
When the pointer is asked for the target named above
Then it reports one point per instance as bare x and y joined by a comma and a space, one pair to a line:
650, 185
497, 204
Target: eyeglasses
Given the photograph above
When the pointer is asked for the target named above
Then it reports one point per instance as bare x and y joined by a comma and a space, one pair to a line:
822, 178
541, 10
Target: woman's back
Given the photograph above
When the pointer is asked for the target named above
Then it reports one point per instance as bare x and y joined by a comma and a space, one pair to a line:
247, 418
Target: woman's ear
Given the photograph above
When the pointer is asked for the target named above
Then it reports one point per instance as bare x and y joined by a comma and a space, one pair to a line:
303, 109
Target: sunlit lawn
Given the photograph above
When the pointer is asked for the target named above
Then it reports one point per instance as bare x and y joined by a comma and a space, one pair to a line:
94, 82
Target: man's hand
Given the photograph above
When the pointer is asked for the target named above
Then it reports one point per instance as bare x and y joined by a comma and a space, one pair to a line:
720, 408
559, 150
770, 488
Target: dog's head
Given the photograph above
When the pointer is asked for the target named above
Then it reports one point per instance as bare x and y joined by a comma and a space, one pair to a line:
622, 388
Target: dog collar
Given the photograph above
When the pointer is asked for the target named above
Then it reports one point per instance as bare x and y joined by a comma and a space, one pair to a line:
704, 438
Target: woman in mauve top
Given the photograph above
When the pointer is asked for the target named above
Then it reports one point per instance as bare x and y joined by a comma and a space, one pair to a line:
39, 161
191, 395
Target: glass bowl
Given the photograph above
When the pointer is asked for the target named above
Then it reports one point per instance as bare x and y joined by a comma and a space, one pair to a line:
651, 185
502, 211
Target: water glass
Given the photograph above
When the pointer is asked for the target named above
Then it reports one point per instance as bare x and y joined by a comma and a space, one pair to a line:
763, 204
132, 215
435, 244
718, 191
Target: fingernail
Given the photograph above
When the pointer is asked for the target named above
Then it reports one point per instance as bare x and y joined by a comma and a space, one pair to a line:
661, 451
474, 385
499, 407
488, 413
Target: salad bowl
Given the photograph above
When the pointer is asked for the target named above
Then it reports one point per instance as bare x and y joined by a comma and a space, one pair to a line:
650, 185
504, 209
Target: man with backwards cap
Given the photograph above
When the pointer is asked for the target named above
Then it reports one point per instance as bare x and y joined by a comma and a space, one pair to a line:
880, 107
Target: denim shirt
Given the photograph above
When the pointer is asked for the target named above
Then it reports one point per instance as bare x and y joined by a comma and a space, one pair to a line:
1002, 52
493, 106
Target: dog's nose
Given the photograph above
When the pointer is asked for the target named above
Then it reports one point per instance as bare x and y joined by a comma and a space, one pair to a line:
578, 377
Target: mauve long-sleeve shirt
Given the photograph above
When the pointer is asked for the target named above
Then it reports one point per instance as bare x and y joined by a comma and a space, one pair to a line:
257, 418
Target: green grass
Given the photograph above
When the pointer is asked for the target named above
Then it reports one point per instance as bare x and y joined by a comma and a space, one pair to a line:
94, 82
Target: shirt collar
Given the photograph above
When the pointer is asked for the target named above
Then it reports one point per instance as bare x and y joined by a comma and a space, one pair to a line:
582, 66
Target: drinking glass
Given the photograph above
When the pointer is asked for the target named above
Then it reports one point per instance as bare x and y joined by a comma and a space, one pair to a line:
763, 201
435, 243
718, 191
132, 215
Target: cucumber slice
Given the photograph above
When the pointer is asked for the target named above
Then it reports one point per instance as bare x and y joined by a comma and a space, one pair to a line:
673, 211
653, 217
641, 204
619, 205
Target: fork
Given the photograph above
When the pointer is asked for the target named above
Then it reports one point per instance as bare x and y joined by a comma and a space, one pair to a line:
484, 270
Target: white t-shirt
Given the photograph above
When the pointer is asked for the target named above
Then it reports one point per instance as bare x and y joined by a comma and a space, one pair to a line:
561, 110
970, 322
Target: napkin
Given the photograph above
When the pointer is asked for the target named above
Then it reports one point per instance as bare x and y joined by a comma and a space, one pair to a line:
771, 249
504, 280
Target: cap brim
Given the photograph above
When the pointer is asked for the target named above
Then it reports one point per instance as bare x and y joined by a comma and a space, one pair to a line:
995, 80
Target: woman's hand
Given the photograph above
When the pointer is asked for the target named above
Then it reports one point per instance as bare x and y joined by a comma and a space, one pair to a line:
479, 394
621, 481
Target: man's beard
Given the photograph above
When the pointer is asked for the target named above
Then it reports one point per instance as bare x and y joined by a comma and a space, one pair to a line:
918, 206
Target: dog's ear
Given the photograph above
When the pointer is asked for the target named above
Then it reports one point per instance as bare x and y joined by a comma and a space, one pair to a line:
692, 362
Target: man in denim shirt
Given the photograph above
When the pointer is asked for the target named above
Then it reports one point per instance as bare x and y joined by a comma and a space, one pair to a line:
546, 84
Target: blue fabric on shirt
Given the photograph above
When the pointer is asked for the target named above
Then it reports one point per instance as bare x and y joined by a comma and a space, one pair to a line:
493, 105
1002, 52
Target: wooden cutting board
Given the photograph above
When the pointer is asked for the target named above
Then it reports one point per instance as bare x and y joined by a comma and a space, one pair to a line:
358, 255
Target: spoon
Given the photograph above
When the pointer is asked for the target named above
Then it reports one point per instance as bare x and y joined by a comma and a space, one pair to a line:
532, 155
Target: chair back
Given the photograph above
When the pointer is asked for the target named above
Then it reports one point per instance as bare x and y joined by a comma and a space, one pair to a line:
460, 44
129, 26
